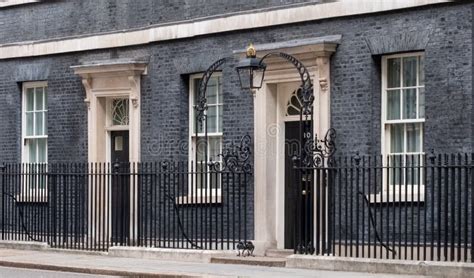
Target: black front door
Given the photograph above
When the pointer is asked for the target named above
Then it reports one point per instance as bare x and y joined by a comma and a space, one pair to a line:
120, 186
292, 138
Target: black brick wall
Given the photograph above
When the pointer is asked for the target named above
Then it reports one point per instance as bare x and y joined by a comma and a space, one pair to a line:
355, 74
48, 19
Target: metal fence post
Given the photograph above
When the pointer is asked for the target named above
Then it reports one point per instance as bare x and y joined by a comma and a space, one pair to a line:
2, 173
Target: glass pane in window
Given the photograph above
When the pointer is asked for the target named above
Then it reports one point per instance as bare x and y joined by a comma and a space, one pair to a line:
412, 164
120, 112
396, 138
214, 148
30, 99
421, 70
212, 119
200, 176
39, 99
413, 137
393, 73
421, 103
219, 129
212, 91
42, 151
39, 123
201, 149
45, 98
197, 82
32, 150
409, 104
29, 123
393, 105
396, 171
409, 71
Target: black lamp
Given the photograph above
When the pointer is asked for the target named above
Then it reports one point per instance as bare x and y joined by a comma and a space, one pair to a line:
248, 69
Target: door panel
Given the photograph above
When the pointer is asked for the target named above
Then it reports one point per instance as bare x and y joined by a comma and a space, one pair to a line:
120, 186
292, 139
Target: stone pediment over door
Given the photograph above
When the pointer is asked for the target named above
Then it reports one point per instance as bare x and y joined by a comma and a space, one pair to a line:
110, 79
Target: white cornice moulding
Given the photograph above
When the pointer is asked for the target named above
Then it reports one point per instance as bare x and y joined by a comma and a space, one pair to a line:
7, 3
209, 25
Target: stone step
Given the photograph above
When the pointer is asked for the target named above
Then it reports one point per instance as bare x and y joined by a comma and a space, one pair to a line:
279, 253
257, 261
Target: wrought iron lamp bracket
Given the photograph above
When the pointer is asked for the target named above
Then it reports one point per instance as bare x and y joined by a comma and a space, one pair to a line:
305, 92
201, 104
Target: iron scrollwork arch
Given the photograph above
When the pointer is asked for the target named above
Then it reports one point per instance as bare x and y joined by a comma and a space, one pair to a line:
201, 105
305, 92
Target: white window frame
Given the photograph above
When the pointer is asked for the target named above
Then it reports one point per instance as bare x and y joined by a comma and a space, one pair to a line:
196, 197
35, 194
391, 192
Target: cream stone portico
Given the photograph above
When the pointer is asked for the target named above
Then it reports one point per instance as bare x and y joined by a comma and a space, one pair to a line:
270, 116
104, 82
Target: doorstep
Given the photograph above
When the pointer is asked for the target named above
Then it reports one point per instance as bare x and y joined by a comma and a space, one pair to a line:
256, 261
186, 255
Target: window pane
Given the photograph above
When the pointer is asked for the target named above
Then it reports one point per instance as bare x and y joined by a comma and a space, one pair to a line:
409, 104
39, 99
412, 163
120, 112
45, 98
212, 119
421, 103
39, 123
409, 71
45, 127
201, 149
396, 170
197, 82
396, 138
413, 137
393, 105
215, 148
212, 91
219, 129
29, 123
42, 151
32, 150
421, 70
200, 176
30, 99
393, 73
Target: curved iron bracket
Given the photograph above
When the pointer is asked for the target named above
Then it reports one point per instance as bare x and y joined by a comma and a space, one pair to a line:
305, 93
201, 105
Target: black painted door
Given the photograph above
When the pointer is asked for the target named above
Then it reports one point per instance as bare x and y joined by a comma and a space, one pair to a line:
120, 187
292, 138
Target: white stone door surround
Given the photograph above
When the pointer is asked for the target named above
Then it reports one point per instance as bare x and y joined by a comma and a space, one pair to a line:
111, 79
269, 121
104, 81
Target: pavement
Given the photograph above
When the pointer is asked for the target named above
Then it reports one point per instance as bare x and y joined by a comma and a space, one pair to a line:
41, 264
11, 272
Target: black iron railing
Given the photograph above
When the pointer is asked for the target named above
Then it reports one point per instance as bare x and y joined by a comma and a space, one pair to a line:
415, 207
95, 206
